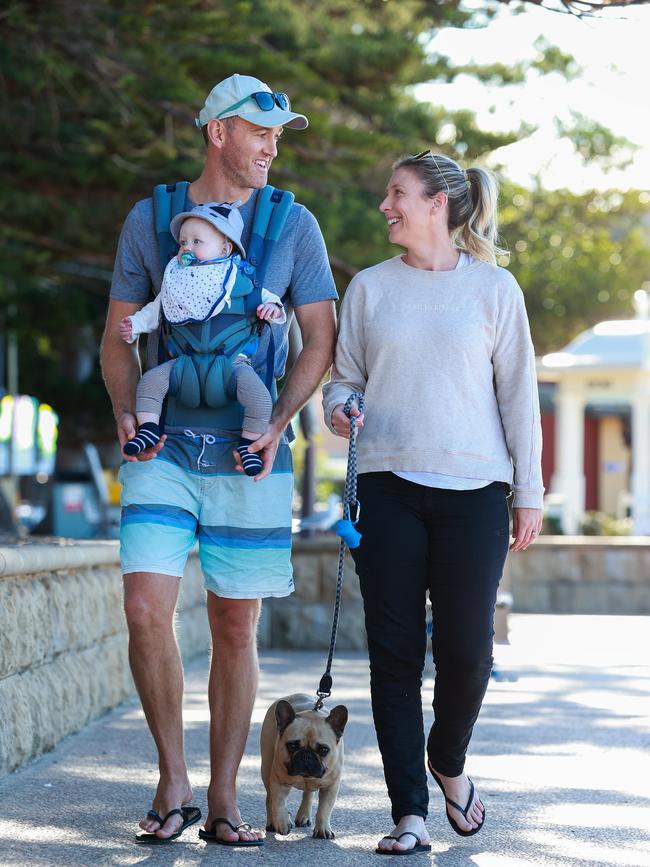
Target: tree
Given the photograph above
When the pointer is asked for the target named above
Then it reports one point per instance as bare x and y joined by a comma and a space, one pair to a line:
582, 8
98, 104
579, 258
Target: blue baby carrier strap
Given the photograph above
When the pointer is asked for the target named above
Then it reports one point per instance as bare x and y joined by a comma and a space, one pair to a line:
200, 392
271, 214
168, 200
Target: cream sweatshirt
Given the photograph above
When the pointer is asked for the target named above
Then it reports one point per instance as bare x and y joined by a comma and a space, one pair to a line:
447, 367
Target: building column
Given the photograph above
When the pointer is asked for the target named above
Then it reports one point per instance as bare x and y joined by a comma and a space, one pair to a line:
568, 479
641, 457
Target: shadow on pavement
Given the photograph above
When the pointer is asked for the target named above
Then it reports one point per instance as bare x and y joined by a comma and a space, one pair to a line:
560, 756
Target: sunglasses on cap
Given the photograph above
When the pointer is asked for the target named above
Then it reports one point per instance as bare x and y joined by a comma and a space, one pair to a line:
265, 99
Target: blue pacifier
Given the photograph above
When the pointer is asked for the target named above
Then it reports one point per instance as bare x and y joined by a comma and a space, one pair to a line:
187, 259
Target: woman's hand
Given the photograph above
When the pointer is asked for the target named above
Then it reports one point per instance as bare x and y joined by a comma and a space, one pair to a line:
340, 421
526, 526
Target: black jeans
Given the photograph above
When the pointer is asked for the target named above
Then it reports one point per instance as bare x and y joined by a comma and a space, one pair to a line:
453, 545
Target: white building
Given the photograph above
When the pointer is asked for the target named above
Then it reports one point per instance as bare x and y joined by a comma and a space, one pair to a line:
605, 373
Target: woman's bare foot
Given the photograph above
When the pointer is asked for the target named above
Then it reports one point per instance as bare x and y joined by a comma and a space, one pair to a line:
224, 831
169, 796
410, 825
458, 789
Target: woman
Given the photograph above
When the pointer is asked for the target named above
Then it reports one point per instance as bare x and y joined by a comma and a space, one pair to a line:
437, 339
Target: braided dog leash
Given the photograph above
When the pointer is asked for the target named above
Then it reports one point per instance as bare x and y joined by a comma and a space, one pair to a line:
350, 537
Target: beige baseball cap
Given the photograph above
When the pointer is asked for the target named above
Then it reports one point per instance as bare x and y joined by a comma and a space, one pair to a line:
249, 98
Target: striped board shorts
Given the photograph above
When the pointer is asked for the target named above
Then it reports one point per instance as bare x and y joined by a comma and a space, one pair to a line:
191, 491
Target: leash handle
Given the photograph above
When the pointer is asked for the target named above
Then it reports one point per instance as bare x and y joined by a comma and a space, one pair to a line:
349, 501
350, 491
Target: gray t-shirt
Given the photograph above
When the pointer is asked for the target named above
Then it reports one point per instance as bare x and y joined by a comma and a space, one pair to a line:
298, 266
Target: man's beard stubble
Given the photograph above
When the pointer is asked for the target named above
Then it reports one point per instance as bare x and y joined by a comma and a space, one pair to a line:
250, 179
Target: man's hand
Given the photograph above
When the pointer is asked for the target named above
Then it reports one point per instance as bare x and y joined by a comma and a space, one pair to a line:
340, 421
526, 526
126, 430
267, 446
318, 329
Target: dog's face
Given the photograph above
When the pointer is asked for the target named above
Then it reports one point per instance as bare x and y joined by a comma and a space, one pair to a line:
311, 746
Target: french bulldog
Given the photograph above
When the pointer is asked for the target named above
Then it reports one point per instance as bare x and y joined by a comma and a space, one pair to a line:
301, 748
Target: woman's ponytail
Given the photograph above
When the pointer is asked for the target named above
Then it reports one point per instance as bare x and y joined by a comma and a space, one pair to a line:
478, 235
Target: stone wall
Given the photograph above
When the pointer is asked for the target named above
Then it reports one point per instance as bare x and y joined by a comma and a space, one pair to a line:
63, 640
304, 619
63, 643
581, 575
63, 646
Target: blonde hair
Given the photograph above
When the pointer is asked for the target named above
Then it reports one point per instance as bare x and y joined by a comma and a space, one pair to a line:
472, 201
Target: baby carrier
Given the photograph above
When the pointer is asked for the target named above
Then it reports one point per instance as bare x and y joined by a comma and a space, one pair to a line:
199, 394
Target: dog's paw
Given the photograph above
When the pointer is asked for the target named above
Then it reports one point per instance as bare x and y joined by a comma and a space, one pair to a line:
323, 831
282, 825
281, 829
303, 821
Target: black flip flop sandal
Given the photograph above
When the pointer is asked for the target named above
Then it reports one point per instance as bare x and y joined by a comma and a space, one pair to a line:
456, 806
190, 815
211, 835
419, 845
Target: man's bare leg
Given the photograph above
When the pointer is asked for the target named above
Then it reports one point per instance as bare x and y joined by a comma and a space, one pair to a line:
149, 604
234, 674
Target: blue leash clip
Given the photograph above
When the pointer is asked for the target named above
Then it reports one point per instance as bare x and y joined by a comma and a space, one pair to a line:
346, 528
348, 532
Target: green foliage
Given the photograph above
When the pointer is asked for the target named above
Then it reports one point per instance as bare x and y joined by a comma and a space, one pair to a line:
98, 105
551, 59
494, 73
552, 525
600, 524
592, 141
578, 258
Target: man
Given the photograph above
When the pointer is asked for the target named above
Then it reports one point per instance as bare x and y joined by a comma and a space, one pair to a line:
164, 509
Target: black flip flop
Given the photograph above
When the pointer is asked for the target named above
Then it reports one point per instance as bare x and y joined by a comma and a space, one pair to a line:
190, 815
211, 835
419, 845
456, 806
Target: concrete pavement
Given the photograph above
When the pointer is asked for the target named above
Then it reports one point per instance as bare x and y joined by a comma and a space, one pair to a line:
561, 756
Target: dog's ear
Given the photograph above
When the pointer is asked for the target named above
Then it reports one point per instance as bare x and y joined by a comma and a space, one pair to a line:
337, 719
284, 714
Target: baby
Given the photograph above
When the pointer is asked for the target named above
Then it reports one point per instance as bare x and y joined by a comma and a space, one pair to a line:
197, 285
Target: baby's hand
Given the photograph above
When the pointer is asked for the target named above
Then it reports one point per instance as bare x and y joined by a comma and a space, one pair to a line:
126, 329
269, 311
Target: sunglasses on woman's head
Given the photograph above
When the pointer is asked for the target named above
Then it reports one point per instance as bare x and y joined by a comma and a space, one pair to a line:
427, 155
265, 99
